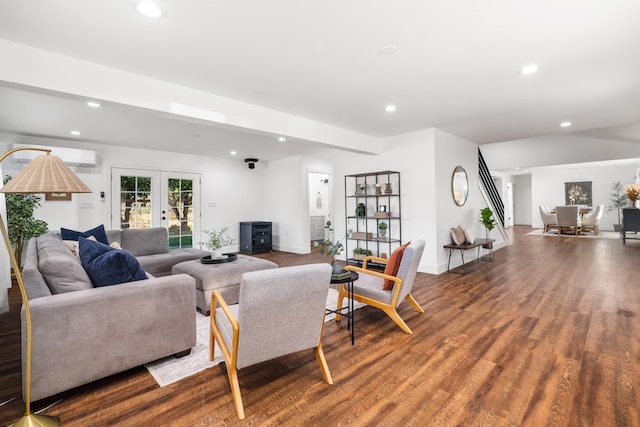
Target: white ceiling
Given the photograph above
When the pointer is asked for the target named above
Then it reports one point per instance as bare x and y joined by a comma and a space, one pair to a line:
456, 68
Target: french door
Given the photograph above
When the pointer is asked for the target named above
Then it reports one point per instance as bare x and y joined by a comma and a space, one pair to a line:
149, 198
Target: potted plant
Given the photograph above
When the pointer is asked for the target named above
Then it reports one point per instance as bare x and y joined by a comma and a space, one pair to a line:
21, 225
217, 240
486, 218
332, 250
382, 227
618, 200
361, 253
633, 194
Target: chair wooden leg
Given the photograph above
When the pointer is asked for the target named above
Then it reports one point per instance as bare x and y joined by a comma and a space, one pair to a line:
393, 314
323, 364
409, 298
232, 373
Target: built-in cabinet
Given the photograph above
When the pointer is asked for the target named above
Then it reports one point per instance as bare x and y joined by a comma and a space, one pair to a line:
316, 228
372, 199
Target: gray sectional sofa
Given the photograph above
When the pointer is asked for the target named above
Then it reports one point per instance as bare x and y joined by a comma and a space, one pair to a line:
81, 333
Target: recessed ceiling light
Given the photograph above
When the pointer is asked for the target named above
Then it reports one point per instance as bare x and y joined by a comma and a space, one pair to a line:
530, 69
233, 153
75, 132
390, 108
388, 50
93, 104
150, 10
565, 124
282, 139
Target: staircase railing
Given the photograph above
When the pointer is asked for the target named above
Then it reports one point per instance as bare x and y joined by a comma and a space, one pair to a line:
491, 194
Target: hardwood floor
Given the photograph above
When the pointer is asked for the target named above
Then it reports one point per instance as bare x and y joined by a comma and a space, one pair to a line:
548, 334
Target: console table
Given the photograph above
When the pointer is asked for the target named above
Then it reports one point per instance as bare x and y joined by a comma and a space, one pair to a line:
479, 243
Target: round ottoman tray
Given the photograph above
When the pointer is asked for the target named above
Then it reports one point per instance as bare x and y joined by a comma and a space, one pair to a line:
225, 258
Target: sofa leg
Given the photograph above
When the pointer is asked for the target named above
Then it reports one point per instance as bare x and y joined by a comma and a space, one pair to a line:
182, 353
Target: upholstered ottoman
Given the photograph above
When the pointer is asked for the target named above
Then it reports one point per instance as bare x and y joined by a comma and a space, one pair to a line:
225, 277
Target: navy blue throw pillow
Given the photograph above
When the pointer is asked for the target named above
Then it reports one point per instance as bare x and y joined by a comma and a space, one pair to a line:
98, 233
108, 266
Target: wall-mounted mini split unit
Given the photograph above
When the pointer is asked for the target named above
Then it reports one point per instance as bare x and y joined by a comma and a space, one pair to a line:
71, 156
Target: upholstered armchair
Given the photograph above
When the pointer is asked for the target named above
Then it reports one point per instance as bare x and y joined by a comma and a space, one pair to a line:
592, 222
279, 312
548, 219
568, 220
368, 288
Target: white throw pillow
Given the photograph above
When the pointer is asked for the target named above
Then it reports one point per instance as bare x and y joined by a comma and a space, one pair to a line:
469, 234
457, 235
73, 246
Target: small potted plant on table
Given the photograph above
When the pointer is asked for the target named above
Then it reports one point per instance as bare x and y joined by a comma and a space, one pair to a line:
486, 218
332, 250
217, 240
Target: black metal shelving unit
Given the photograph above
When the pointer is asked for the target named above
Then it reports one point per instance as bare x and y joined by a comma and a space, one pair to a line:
378, 191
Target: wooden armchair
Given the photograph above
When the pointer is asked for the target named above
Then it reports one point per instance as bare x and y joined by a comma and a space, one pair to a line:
368, 288
279, 312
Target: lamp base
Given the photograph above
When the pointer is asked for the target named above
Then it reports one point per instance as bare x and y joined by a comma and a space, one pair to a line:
35, 420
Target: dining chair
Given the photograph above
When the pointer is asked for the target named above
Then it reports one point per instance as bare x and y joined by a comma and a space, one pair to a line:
568, 219
280, 311
592, 222
369, 288
549, 220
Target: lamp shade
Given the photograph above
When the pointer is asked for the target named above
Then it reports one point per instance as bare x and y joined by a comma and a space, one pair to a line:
45, 174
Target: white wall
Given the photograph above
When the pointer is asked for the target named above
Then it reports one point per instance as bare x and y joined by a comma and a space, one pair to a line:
451, 151
547, 187
236, 191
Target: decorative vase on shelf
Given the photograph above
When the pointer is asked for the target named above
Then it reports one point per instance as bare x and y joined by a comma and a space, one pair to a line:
387, 188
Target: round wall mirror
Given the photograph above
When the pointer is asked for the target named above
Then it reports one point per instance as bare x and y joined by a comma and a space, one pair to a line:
459, 185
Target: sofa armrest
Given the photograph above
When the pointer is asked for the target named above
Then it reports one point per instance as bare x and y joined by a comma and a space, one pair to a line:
82, 336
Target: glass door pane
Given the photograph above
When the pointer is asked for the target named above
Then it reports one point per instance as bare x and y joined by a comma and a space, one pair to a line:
134, 199
180, 204
181, 195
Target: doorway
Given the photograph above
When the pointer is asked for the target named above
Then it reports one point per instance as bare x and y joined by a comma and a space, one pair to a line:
150, 198
319, 206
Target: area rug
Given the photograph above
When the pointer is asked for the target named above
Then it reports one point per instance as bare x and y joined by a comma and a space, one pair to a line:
612, 235
170, 369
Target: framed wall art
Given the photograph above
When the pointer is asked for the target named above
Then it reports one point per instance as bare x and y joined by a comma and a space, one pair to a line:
579, 192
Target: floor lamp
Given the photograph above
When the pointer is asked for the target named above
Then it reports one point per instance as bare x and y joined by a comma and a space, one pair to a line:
44, 174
